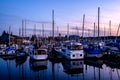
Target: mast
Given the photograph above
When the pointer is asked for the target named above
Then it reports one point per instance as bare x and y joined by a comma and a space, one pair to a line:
98, 22
43, 30
57, 30
94, 30
83, 25
77, 30
104, 32
110, 28
117, 31
19, 36
9, 34
19, 32
22, 28
25, 27
53, 24
68, 31
34, 31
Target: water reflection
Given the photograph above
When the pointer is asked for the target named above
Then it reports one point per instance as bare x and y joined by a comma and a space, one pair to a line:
26, 69
8, 57
73, 66
20, 61
38, 65
96, 70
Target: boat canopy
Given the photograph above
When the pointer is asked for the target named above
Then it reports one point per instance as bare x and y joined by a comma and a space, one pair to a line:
43, 47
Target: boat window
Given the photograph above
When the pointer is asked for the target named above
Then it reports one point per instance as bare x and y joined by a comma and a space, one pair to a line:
73, 55
76, 47
80, 47
40, 52
80, 54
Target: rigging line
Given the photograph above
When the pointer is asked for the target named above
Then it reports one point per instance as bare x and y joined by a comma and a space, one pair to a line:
18, 17
2, 14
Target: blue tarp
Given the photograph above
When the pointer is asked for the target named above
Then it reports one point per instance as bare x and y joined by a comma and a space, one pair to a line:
10, 48
92, 51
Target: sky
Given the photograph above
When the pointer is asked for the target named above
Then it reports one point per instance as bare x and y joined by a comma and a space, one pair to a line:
12, 12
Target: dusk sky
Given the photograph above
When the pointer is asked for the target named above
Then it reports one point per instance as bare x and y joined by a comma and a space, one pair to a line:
66, 12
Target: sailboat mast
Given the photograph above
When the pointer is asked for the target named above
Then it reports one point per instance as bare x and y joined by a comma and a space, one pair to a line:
104, 32
19, 32
77, 30
53, 24
94, 30
57, 30
83, 25
110, 27
9, 34
117, 31
68, 31
25, 27
98, 22
22, 28
43, 30
34, 31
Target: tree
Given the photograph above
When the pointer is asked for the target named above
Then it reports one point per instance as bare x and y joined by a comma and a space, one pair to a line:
4, 33
5, 37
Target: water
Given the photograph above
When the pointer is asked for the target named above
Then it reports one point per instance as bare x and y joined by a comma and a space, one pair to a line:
61, 70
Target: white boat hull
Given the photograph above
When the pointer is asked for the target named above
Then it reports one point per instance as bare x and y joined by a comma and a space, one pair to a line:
73, 55
39, 57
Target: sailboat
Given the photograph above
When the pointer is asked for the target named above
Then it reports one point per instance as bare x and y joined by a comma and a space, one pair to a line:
40, 53
93, 48
72, 51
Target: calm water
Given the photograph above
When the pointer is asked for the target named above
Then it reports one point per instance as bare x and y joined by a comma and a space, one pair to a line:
63, 70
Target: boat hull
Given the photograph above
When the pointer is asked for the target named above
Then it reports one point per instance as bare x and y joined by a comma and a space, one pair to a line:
38, 57
73, 55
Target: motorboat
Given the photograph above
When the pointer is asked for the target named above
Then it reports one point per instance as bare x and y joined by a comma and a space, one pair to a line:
39, 54
72, 50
